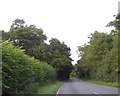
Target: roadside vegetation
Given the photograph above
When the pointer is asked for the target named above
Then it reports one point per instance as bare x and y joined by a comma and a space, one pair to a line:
21, 71
51, 88
99, 57
28, 62
112, 84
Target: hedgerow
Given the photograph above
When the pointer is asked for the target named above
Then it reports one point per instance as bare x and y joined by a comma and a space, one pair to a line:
20, 70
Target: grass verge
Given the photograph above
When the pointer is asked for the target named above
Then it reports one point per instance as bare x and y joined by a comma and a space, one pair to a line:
50, 88
112, 84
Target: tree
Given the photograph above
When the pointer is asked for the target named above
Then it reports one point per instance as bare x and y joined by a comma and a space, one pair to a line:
99, 58
26, 36
60, 60
115, 23
32, 40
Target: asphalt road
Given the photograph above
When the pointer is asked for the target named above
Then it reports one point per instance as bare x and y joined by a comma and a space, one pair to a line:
74, 86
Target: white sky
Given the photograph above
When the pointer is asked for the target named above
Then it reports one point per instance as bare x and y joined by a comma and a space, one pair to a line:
70, 21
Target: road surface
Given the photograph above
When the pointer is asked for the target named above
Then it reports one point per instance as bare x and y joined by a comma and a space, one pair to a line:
75, 86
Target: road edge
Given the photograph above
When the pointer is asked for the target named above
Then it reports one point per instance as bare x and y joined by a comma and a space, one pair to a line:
59, 89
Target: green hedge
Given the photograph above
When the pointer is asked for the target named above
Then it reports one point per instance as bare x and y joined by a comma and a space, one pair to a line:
19, 70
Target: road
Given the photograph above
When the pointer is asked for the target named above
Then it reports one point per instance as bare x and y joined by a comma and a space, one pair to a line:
75, 86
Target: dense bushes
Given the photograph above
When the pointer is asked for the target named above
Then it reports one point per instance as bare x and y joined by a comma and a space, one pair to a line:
19, 70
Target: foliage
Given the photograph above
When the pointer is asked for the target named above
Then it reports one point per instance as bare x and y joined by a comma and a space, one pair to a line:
19, 70
113, 84
99, 58
116, 22
60, 60
73, 74
32, 40
24, 35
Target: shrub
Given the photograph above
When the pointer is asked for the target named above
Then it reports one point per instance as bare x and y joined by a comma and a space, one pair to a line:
20, 70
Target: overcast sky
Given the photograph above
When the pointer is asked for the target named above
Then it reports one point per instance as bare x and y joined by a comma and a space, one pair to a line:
70, 21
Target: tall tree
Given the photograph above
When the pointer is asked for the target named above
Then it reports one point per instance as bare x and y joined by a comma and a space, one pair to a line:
99, 58
61, 60
32, 41
26, 36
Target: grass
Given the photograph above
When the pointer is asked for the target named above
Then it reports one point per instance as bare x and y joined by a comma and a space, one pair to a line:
112, 84
50, 88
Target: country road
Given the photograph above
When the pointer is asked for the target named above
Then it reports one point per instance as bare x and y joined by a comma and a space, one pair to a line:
74, 86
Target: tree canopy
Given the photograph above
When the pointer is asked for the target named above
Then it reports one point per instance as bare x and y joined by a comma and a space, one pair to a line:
32, 40
99, 58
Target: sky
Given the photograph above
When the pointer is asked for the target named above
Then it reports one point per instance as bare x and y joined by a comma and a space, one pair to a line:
70, 21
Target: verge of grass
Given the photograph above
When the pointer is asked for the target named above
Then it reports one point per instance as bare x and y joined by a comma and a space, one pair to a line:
112, 84
50, 88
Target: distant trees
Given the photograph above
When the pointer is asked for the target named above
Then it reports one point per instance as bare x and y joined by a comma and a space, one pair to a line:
73, 74
99, 58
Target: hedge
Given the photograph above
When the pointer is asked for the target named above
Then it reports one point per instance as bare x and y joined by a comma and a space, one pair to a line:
20, 70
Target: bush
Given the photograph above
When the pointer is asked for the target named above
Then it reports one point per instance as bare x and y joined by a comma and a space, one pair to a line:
19, 70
